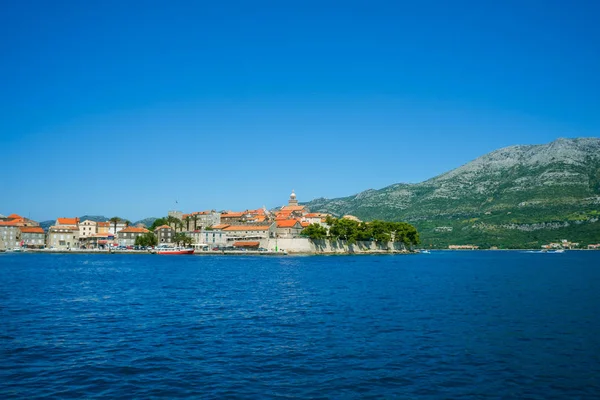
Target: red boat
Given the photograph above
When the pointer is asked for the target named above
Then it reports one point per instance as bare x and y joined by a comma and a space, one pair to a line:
174, 251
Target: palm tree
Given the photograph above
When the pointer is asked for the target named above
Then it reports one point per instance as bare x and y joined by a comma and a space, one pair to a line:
187, 221
115, 221
127, 223
195, 219
172, 221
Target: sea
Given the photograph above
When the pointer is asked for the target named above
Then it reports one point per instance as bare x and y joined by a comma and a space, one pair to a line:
445, 325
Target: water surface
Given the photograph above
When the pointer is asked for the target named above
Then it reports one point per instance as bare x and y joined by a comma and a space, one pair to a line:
444, 325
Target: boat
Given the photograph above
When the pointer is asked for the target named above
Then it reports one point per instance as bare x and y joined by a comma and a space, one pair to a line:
557, 251
425, 252
174, 251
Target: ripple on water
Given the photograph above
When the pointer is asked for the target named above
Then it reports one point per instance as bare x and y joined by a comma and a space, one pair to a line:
450, 326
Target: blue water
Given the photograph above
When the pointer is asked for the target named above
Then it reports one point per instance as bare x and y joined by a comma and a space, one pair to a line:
445, 325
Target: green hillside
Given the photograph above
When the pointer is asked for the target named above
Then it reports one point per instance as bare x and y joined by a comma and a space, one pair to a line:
519, 196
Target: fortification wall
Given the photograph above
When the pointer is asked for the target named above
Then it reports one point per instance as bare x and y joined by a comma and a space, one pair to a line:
305, 245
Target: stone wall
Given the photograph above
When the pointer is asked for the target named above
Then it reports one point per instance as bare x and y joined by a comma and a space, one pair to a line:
305, 245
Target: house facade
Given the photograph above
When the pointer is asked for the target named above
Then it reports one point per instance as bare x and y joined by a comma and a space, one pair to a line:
87, 228
249, 232
63, 237
103, 227
10, 230
164, 234
128, 235
10, 235
211, 237
33, 237
288, 228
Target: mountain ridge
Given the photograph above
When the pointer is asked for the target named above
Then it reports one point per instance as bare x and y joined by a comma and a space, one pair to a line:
516, 185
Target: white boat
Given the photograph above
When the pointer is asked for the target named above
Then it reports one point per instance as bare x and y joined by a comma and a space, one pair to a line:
425, 252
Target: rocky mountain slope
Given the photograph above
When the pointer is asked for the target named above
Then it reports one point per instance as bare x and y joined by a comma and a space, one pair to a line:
518, 196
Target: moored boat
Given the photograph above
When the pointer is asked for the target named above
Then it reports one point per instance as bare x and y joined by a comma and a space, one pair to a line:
174, 251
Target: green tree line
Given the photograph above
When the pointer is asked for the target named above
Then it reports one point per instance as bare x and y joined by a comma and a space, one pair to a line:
353, 231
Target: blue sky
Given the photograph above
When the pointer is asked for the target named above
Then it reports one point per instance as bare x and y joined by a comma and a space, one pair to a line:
122, 107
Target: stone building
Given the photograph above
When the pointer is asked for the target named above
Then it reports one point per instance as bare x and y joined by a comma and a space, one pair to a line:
128, 235
213, 238
164, 234
249, 232
201, 219
33, 237
10, 235
63, 237
288, 228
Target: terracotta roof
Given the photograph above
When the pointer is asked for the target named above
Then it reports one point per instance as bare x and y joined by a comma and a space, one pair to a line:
304, 224
246, 244
220, 226
14, 216
68, 221
258, 211
104, 235
162, 227
10, 223
247, 228
292, 208
31, 229
288, 223
103, 223
233, 215
316, 215
132, 229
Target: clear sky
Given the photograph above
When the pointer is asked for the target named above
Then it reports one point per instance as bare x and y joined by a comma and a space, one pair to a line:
122, 107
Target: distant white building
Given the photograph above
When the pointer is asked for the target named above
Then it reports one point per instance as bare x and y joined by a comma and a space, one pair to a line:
212, 238
87, 228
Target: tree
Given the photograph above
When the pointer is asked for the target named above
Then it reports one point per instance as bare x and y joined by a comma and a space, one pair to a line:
380, 231
344, 229
187, 222
158, 222
195, 219
127, 223
115, 221
147, 239
181, 238
172, 222
314, 232
329, 220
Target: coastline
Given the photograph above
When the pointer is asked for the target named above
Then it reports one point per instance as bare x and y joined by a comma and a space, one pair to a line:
218, 253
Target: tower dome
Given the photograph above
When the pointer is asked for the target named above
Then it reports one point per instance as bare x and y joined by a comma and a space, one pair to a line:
293, 201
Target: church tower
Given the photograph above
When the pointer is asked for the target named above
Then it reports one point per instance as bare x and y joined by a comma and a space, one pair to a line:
293, 201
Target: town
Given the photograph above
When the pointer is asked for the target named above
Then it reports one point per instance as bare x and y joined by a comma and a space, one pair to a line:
253, 229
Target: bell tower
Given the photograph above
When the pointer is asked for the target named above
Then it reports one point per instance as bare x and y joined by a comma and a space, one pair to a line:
293, 201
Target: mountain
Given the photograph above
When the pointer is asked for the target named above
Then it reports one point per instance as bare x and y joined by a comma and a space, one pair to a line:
146, 221
518, 196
